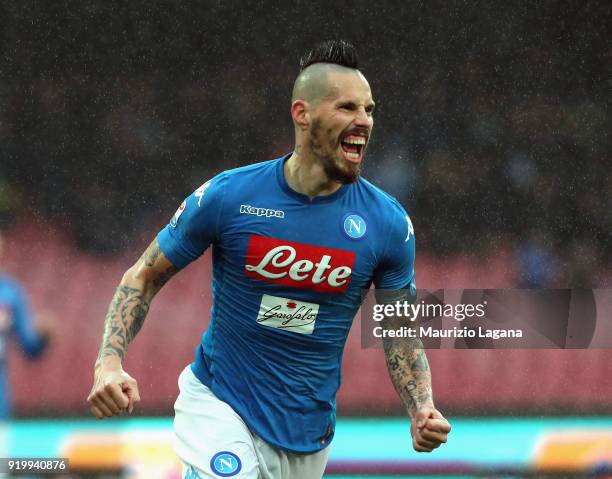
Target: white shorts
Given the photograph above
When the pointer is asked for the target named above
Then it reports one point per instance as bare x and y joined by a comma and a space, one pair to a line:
212, 441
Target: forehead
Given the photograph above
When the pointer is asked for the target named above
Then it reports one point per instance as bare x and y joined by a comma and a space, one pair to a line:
348, 86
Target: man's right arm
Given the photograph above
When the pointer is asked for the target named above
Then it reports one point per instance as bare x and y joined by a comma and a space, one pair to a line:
192, 229
114, 390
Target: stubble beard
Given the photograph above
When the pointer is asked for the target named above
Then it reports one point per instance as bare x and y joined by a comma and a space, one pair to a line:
336, 169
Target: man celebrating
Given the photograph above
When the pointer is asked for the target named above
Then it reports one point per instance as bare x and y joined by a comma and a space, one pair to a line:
295, 241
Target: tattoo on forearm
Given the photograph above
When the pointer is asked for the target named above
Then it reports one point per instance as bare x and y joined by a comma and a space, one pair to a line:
129, 307
394, 362
420, 363
124, 319
409, 371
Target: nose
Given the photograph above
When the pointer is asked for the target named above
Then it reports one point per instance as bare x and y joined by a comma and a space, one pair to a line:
364, 119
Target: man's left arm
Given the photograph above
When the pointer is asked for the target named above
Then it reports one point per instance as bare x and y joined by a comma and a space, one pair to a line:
406, 360
410, 374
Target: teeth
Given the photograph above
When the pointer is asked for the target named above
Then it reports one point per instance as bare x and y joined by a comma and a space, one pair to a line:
354, 156
355, 140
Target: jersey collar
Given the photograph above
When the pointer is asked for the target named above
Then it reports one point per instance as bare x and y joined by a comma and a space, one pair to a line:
302, 198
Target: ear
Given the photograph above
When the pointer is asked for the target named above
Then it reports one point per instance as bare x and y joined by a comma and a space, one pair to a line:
300, 113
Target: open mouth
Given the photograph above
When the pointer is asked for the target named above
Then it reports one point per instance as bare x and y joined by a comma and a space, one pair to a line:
353, 146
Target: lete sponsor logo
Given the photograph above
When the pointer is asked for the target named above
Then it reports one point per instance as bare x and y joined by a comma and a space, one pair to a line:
288, 314
299, 265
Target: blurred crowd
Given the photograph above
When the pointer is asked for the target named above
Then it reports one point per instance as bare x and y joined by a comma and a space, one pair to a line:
492, 124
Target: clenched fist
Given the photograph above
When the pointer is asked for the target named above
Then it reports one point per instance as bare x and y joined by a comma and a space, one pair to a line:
114, 391
429, 429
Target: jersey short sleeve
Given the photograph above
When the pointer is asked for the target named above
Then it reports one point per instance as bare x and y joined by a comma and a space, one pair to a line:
395, 269
194, 226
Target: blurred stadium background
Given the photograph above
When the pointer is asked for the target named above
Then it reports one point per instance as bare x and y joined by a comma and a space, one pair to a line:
492, 128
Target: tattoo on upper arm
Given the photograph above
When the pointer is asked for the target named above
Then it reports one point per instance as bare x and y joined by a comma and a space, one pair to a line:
151, 254
164, 277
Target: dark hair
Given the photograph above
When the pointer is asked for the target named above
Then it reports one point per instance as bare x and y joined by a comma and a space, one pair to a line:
339, 52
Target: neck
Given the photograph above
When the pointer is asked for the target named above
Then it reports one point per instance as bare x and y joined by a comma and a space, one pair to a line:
305, 174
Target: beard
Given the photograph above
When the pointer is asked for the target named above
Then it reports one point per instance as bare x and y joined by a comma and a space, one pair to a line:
326, 149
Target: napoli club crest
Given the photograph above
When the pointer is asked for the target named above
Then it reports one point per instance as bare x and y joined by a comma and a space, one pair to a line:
354, 226
225, 464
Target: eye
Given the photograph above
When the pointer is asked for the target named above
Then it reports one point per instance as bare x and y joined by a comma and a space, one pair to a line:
348, 106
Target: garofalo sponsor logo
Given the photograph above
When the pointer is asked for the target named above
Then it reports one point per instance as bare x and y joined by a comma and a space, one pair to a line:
287, 314
267, 212
299, 265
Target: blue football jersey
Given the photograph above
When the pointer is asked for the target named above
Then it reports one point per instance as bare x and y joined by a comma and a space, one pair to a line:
15, 320
288, 275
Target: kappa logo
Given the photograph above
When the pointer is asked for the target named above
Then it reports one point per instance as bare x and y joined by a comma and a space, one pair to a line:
225, 464
199, 193
287, 314
300, 265
410, 228
267, 212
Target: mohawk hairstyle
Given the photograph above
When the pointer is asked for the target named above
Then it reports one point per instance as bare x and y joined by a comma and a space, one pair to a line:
339, 52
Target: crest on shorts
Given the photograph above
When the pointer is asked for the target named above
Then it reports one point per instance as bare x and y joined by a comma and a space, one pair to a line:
225, 464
